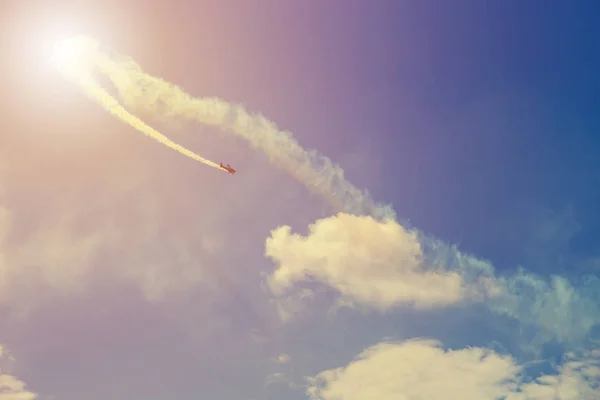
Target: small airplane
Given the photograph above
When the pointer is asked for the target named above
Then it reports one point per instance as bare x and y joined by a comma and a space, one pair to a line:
227, 168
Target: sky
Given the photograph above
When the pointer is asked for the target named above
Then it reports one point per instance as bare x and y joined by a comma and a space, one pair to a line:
456, 256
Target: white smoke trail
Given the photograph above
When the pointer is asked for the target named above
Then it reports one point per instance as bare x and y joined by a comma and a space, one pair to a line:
138, 89
79, 72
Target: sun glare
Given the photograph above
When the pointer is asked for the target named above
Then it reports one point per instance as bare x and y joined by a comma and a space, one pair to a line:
66, 54
61, 53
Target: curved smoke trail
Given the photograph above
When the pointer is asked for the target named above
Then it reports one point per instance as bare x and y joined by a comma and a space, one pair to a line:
81, 74
317, 172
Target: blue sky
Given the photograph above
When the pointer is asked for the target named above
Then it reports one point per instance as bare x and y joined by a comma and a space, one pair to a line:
492, 105
130, 271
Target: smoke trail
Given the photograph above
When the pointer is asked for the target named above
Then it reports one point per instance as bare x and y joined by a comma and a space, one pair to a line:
84, 79
317, 172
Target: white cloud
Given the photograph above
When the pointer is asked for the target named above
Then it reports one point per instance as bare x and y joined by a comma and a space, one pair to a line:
12, 388
54, 258
282, 359
60, 256
422, 369
372, 264
418, 369
277, 377
286, 376
577, 378
556, 307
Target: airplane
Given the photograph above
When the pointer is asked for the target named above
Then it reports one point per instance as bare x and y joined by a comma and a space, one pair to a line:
227, 168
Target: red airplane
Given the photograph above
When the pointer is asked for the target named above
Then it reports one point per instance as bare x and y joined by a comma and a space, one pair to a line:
227, 168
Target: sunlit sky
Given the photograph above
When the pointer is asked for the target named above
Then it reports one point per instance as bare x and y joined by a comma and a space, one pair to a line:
128, 271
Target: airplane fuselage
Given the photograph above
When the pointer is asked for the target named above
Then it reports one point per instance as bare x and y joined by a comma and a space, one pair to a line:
227, 168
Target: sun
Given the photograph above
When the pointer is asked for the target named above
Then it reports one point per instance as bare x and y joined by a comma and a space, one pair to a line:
61, 53
66, 54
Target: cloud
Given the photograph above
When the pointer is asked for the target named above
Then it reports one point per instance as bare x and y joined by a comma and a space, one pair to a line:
282, 359
418, 369
422, 369
552, 307
556, 307
285, 378
60, 256
276, 377
55, 257
577, 378
119, 236
11, 388
378, 265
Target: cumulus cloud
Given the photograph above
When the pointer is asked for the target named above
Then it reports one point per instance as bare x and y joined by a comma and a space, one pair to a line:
418, 369
11, 388
423, 369
373, 264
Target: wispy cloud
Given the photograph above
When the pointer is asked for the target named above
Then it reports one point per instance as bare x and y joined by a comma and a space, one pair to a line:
554, 307
118, 235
